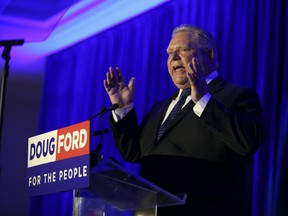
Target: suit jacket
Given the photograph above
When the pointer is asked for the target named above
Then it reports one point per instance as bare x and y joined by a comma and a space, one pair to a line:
205, 157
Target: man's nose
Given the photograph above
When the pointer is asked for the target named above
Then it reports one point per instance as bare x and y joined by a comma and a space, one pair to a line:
175, 56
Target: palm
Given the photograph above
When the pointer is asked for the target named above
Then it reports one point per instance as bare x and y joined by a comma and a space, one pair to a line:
121, 92
117, 90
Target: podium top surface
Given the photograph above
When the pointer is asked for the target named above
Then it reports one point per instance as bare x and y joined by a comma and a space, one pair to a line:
126, 190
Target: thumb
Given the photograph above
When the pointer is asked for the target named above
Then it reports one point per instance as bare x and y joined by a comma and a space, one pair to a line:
131, 84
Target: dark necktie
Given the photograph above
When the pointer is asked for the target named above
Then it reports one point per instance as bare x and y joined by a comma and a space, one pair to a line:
174, 112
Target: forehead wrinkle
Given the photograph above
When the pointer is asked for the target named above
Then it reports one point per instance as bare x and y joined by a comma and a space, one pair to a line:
177, 47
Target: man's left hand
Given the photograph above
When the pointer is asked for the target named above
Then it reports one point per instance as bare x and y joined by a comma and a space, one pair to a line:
197, 80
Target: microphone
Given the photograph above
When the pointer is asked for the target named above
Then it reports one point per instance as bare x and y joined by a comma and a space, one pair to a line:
11, 42
104, 110
100, 132
95, 156
7, 44
113, 107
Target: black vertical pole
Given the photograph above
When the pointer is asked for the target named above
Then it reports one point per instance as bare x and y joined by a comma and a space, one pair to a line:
5, 72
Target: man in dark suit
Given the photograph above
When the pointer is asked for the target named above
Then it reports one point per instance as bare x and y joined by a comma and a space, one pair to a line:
205, 150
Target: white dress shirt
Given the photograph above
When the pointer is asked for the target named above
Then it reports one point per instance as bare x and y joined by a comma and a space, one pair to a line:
198, 108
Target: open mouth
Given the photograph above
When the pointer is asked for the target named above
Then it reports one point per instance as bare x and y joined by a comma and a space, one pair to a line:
178, 68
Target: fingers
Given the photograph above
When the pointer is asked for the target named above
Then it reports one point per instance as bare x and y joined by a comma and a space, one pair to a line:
195, 72
119, 75
108, 82
113, 78
197, 80
131, 84
195, 68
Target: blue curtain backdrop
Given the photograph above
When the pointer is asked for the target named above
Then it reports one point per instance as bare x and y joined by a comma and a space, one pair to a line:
253, 51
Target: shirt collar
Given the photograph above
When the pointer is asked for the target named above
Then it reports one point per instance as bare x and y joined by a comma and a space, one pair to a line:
209, 78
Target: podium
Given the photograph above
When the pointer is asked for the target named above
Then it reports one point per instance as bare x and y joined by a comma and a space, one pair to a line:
59, 160
116, 191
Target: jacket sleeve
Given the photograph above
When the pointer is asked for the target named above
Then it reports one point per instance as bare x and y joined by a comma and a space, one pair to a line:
126, 133
238, 123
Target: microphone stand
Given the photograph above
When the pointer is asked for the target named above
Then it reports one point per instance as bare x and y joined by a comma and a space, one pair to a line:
5, 72
96, 156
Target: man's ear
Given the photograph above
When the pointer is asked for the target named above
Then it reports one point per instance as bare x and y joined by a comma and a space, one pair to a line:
212, 58
210, 54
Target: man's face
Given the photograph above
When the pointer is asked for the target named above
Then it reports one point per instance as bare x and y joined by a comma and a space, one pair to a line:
180, 51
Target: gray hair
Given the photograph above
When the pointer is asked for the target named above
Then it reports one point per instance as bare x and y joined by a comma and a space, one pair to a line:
203, 37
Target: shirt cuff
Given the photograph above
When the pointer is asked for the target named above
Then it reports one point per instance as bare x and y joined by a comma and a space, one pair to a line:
201, 104
120, 113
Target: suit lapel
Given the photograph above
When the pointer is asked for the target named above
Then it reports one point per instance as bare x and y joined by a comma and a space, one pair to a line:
214, 86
